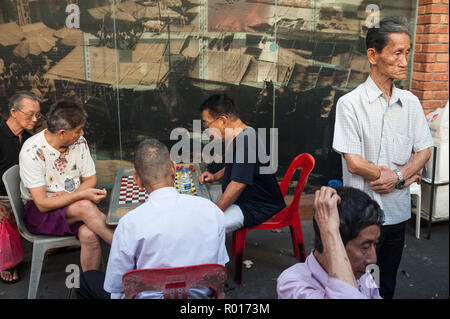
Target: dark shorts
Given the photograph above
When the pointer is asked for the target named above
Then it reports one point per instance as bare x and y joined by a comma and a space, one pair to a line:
48, 223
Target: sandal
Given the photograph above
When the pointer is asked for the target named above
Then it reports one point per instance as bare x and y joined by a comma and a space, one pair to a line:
11, 271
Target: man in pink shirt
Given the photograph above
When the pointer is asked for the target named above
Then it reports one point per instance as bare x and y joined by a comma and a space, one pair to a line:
347, 226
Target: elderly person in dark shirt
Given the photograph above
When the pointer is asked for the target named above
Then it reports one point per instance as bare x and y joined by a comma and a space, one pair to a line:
24, 113
250, 193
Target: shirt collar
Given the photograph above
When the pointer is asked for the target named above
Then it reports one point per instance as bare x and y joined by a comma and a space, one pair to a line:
373, 92
396, 95
162, 192
316, 269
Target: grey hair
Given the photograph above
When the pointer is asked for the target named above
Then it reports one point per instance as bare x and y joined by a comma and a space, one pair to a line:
14, 101
378, 36
65, 114
152, 161
356, 212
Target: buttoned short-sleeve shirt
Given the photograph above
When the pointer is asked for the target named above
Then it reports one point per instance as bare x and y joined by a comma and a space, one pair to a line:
42, 165
309, 280
385, 132
168, 230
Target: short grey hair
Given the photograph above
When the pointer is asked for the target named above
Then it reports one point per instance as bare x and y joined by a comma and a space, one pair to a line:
152, 161
378, 36
65, 114
14, 101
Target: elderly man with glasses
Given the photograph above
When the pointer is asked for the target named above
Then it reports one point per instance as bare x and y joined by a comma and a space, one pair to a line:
23, 115
249, 196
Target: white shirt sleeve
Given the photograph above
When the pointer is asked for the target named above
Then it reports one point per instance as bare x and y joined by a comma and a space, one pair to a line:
87, 163
121, 260
346, 134
422, 134
32, 168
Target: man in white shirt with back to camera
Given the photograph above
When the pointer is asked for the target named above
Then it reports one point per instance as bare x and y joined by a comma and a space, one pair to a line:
168, 230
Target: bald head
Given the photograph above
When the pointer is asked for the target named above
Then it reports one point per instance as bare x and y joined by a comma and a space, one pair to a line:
152, 162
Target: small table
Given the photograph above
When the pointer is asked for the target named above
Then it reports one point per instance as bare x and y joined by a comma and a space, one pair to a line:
126, 195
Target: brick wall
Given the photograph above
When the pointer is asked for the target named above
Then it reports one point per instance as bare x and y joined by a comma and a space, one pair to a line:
430, 69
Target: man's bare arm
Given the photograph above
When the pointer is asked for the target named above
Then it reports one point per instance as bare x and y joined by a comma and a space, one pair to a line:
208, 177
411, 172
219, 174
339, 266
231, 194
356, 164
87, 182
326, 216
45, 204
416, 163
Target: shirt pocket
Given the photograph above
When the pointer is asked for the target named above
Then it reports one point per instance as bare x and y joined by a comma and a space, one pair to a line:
401, 148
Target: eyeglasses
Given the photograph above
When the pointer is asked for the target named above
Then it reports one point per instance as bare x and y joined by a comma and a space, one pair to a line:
208, 124
38, 116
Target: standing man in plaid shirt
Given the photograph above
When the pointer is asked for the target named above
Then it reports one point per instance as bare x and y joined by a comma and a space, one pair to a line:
384, 140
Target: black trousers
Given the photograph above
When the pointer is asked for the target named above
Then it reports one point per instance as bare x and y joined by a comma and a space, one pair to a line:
389, 255
91, 285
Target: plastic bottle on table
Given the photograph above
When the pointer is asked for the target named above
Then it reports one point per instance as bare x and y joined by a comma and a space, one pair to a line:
185, 181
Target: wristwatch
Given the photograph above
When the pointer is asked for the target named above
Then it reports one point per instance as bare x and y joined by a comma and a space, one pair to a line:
401, 180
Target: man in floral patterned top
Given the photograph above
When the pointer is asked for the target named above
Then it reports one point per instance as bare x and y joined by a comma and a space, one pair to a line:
58, 181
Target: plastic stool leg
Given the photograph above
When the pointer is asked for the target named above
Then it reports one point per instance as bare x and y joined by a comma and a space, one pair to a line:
36, 268
239, 250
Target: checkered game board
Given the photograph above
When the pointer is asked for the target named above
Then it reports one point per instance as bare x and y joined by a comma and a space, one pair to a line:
127, 195
130, 192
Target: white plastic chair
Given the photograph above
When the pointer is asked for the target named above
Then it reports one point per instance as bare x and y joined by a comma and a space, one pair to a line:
416, 191
41, 243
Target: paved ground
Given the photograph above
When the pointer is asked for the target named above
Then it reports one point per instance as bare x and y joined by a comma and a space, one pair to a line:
423, 273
